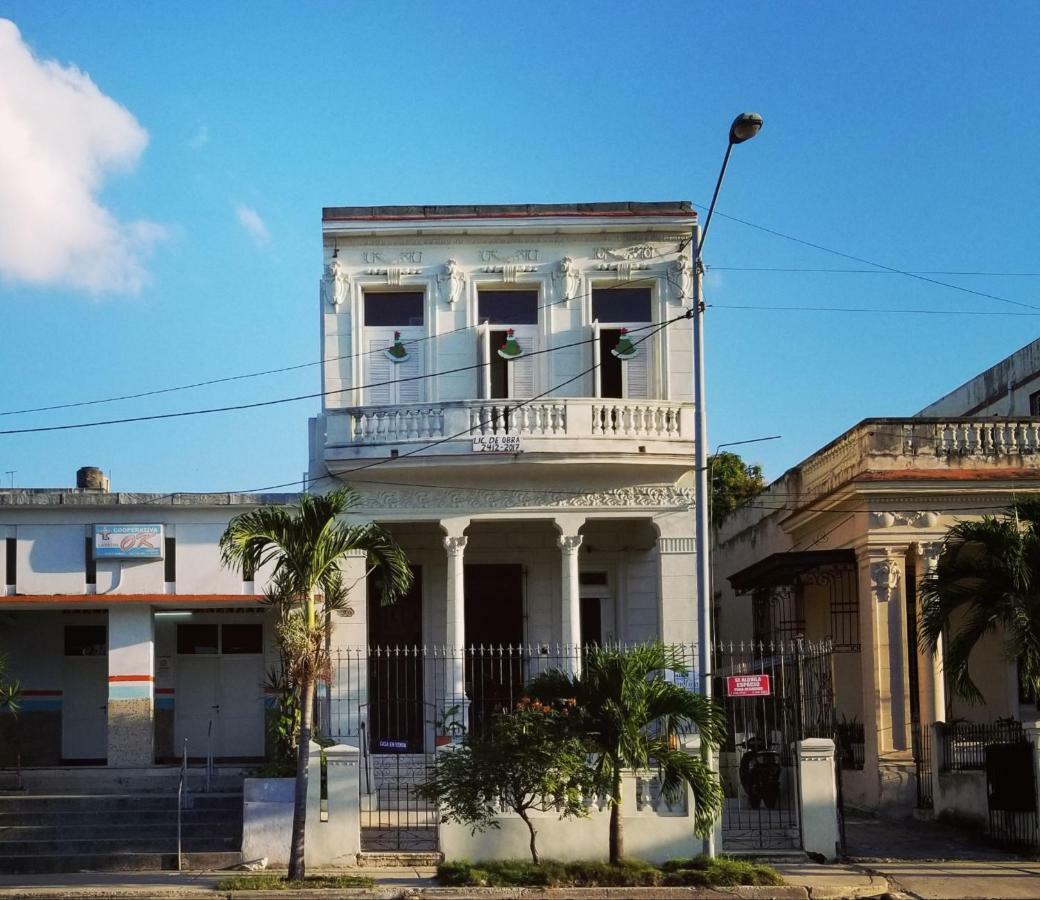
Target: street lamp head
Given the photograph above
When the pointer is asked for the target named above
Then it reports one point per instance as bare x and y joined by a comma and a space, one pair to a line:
744, 127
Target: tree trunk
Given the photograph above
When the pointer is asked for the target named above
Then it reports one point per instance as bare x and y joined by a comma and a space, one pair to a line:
303, 749
534, 834
617, 828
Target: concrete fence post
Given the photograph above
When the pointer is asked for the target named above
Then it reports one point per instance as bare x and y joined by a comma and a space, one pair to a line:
1032, 730
938, 761
336, 841
818, 797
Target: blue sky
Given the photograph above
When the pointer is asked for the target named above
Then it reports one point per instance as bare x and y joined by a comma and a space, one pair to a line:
900, 133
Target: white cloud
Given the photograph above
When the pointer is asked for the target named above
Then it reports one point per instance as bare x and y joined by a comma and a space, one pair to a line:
250, 220
61, 136
200, 138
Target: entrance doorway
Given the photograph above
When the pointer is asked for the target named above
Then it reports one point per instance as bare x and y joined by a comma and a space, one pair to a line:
397, 713
220, 690
84, 708
494, 635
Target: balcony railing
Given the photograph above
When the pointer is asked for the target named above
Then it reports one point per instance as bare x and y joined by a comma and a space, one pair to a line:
592, 418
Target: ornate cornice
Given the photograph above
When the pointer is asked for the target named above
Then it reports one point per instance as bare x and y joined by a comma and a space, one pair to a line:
374, 500
925, 519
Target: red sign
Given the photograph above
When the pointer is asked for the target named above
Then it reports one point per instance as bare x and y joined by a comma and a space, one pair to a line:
747, 686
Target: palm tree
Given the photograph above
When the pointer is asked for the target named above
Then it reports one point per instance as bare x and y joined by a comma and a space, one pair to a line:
306, 544
987, 580
631, 716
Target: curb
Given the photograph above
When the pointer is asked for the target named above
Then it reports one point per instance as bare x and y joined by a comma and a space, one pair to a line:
788, 892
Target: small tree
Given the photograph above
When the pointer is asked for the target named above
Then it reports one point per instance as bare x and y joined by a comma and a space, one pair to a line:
528, 760
733, 483
10, 691
631, 716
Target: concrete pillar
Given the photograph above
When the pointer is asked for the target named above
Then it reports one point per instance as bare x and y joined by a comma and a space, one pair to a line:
336, 841
348, 643
678, 604
1032, 731
930, 558
818, 797
569, 542
131, 686
455, 608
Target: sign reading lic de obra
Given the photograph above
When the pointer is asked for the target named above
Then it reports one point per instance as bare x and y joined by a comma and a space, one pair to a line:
128, 541
497, 443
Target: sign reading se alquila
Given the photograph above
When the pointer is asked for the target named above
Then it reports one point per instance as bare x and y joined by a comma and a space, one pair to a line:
128, 541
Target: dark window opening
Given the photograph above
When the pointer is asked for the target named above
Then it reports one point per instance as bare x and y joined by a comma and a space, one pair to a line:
170, 560
197, 640
508, 307
591, 621
592, 579
1034, 404
499, 366
610, 382
242, 638
394, 308
89, 562
621, 304
86, 640
11, 578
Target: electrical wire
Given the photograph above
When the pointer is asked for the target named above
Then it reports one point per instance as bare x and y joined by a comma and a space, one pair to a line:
281, 400
870, 262
283, 369
868, 271
881, 311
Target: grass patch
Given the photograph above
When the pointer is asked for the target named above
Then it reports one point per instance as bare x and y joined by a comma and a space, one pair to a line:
696, 872
269, 881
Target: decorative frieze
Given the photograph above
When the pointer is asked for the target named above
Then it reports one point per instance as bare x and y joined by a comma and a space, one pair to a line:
403, 258
523, 255
676, 545
372, 499
394, 274
926, 519
510, 271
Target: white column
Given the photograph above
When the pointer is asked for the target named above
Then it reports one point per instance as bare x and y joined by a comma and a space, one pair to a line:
930, 558
348, 649
455, 614
818, 797
570, 633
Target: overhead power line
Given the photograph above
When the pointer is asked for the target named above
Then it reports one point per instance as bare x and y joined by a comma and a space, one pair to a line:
868, 271
282, 400
411, 342
873, 310
870, 262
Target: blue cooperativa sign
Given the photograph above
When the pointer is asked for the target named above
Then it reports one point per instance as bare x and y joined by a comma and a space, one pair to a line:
128, 541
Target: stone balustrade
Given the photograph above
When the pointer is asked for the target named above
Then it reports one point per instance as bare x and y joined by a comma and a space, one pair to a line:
597, 420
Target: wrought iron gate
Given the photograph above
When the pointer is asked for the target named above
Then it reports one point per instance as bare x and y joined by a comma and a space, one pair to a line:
758, 763
1011, 792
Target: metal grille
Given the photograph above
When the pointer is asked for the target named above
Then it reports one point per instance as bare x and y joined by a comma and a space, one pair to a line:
964, 744
758, 763
1011, 792
921, 746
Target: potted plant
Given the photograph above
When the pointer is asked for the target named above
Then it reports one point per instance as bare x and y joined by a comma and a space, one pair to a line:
448, 726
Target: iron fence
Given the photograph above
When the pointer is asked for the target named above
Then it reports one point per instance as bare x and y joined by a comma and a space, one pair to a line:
850, 744
921, 748
412, 698
964, 743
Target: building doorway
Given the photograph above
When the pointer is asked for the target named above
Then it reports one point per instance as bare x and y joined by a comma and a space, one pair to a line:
84, 708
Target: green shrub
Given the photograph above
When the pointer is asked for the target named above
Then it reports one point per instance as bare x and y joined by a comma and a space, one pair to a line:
271, 881
723, 871
549, 873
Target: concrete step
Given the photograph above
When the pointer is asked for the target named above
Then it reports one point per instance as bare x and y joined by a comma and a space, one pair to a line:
117, 862
203, 828
98, 819
402, 858
37, 803
106, 845
110, 780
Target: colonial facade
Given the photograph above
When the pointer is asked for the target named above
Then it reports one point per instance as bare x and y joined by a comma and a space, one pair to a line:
835, 548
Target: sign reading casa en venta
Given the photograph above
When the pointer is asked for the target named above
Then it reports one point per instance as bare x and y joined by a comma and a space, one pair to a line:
128, 541
747, 686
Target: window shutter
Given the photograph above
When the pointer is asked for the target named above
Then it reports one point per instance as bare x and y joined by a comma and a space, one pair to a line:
597, 376
635, 372
522, 372
484, 357
410, 391
379, 373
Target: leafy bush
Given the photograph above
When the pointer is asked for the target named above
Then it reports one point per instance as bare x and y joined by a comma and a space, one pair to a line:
697, 872
269, 881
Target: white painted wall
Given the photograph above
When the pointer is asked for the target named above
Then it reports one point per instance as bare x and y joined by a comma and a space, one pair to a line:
51, 558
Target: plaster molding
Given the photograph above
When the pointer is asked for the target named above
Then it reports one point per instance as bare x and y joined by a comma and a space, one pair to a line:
676, 545
356, 242
567, 279
455, 546
623, 270
335, 285
407, 257
665, 497
925, 519
356, 554
680, 280
510, 272
885, 578
450, 282
394, 274
929, 552
569, 543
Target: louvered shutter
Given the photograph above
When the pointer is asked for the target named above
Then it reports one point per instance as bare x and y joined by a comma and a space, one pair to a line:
484, 356
522, 370
379, 373
635, 373
410, 391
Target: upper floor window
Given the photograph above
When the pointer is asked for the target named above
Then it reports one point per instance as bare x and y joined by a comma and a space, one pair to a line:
392, 317
393, 309
615, 309
1034, 404
509, 321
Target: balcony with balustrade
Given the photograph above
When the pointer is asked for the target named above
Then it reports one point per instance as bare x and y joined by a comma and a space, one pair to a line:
482, 432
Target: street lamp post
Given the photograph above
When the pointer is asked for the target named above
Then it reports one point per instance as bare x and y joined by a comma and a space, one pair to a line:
744, 127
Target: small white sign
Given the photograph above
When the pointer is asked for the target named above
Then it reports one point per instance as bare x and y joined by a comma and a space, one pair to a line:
497, 443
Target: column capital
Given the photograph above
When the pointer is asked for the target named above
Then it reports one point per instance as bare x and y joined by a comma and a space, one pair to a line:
568, 523
569, 543
929, 552
455, 526
455, 546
